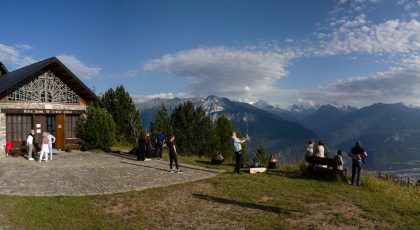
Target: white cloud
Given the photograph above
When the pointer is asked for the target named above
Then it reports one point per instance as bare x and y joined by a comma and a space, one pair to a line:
16, 57
397, 84
392, 36
80, 69
24, 47
236, 73
250, 73
13, 56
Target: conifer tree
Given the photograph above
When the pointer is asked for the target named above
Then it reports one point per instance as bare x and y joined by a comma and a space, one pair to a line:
193, 130
162, 122
183, 128
206, 137
97, 128
261, 156
123, 110
224, 128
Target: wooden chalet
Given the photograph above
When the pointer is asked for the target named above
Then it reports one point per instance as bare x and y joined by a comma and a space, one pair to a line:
44, 96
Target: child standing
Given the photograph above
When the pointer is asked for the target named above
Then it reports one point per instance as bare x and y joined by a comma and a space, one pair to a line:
340, 163
9, 147
45, 149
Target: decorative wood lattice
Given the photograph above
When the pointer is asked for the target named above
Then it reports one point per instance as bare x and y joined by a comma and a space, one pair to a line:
45, 87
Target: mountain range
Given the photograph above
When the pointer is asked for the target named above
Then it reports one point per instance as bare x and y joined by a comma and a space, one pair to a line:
278, 135
389, 132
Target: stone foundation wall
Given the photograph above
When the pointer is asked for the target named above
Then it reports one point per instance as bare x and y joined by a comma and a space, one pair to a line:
2, 134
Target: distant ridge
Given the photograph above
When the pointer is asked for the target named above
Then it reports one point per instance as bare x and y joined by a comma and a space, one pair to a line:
277, 134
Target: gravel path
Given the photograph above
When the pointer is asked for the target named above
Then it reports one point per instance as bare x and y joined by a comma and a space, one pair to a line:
85, 173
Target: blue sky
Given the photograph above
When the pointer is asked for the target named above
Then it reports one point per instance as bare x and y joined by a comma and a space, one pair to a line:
353, 52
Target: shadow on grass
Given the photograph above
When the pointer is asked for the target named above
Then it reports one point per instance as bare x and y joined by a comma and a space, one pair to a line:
266, 208
204, 162
306, 175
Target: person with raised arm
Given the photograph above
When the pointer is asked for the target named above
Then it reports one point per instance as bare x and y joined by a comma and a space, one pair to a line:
237, 146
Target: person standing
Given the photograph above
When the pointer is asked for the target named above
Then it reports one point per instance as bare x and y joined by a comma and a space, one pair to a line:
51, 140
160, 141
238, 151
148, 145
30, 144
141, 151
44, 148
357, 154
173, 155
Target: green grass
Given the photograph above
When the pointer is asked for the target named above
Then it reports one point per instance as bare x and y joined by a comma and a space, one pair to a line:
280, 199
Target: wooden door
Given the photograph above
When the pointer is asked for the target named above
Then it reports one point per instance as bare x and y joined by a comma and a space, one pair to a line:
39, 127
60, 130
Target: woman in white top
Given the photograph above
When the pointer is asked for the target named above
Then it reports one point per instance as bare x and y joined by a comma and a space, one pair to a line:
44, 149
310, 149
321, 149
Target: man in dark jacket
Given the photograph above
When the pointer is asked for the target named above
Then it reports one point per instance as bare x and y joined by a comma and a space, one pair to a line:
160, 141
357, 154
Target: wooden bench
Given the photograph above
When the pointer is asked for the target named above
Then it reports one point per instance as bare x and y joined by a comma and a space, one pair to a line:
15, 152
72, 146
317, 163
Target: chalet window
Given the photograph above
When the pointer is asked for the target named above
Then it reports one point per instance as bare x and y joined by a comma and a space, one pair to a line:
18, 126
71, 121
43, 87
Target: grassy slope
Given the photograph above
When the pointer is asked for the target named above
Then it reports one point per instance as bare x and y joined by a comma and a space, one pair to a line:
281, 199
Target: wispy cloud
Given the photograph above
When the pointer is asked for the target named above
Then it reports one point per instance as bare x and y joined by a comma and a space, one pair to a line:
397, 84
24, 47
78, 67
17, 57
231, 72
12, 55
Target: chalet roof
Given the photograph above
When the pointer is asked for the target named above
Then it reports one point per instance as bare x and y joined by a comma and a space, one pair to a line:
3, 69
59, 69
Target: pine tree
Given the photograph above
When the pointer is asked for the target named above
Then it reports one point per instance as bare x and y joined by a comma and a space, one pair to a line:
224, 128
194, 130
123, 110
109, 100
261, 156
183, 128
162, 122
97, 128
206, 137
